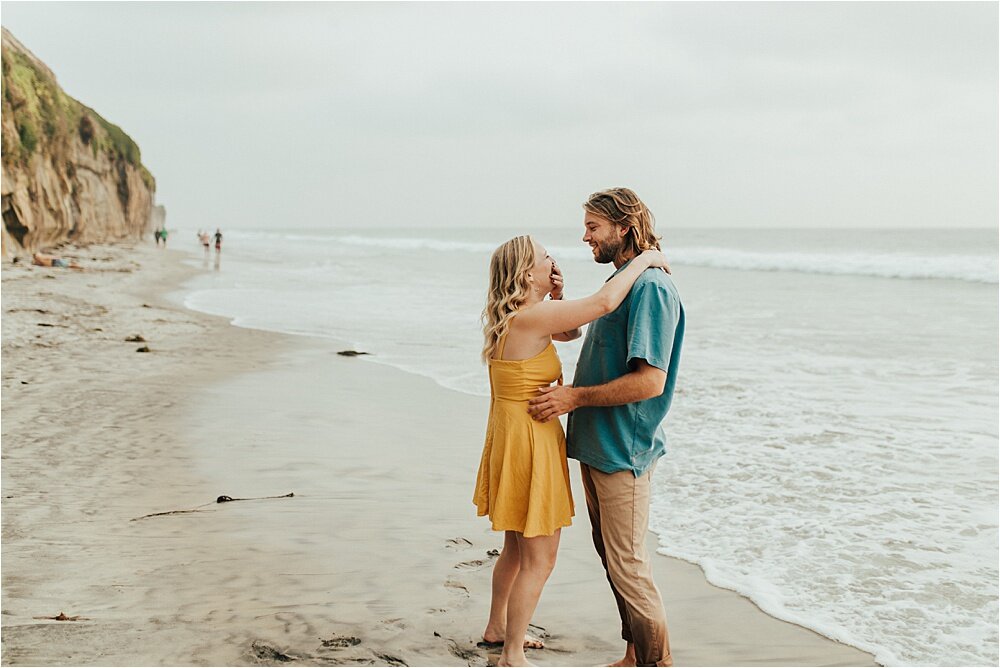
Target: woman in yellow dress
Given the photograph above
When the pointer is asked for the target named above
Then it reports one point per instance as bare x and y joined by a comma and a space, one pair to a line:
523, 482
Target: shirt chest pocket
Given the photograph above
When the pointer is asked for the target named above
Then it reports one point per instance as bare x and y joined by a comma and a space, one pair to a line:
609, 331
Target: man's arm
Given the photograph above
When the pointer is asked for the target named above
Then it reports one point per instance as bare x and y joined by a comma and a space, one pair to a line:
571, 335
643, 382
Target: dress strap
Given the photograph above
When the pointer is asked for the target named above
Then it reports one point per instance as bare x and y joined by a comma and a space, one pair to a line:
500, 345
498, 354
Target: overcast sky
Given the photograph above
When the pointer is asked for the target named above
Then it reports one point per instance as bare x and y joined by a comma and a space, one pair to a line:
412, 114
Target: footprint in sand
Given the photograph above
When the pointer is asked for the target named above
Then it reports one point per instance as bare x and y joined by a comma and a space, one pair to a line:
456, 586
389, 660
477, 564
463, 653
458, 543
269, 655
538, 631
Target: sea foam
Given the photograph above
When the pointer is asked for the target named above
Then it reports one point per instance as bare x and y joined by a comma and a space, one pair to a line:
962, 267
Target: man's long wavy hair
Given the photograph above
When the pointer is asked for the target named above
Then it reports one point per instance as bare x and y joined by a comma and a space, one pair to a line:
508, 290
624, 208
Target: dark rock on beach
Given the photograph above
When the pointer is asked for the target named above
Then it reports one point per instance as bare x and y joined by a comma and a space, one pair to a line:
341, 641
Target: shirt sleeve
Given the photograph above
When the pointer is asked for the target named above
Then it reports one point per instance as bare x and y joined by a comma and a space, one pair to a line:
652, 320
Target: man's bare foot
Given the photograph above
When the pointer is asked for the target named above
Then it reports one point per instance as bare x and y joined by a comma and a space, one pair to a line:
628, 659
503, 661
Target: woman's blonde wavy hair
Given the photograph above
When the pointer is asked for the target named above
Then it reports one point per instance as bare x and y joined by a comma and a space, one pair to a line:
508, 290
623, 207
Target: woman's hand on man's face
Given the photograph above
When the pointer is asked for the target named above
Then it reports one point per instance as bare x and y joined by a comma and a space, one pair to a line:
557, 282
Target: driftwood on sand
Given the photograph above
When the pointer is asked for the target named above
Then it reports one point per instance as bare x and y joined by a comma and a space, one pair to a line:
221, 499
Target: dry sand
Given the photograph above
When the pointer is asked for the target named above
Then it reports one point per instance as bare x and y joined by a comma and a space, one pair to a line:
378, 559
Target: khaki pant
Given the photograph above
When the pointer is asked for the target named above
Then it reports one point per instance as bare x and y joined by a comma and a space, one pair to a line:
618, 504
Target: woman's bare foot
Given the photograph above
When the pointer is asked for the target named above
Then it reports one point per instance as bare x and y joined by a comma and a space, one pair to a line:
530, 641
521, 661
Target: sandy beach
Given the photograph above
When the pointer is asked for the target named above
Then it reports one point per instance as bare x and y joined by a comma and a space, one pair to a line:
377, 559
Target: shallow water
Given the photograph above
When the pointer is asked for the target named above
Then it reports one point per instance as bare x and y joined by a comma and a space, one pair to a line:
833, 441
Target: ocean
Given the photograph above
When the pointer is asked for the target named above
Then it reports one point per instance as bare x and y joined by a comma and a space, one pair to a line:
833, 442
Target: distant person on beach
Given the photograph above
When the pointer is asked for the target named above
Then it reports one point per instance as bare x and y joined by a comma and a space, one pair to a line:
43, 260
205, 240
617, 403
156, 235
163, 235
523, 481
218, 241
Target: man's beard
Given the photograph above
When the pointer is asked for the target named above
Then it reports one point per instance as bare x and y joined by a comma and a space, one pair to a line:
609, 250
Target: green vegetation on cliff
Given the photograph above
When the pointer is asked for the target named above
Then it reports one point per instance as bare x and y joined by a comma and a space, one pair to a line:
43, 115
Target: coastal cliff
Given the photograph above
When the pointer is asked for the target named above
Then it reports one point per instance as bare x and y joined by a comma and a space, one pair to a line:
69, 175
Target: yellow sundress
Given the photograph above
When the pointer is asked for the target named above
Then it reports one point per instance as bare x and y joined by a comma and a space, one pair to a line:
523, 481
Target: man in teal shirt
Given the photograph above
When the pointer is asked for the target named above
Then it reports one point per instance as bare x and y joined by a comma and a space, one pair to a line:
619, 398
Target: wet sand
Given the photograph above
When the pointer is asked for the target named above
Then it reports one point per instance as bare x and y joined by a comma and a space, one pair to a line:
378, 559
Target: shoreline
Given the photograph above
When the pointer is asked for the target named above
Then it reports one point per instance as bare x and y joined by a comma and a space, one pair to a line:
368, 450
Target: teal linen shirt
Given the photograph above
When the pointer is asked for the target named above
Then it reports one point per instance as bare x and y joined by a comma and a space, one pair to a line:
648, 325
